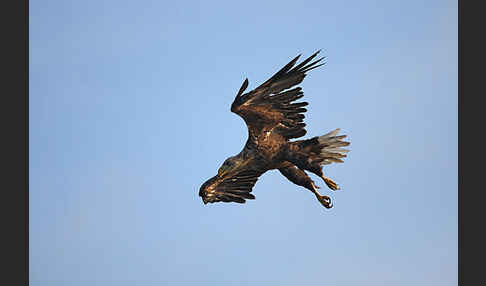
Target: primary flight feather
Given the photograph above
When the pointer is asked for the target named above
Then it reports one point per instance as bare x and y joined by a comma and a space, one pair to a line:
273, 118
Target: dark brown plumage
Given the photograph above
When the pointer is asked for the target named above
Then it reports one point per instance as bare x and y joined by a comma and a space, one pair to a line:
273, 118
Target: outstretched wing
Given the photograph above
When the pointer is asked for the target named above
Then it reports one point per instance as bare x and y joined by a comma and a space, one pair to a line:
231, 188
271, 104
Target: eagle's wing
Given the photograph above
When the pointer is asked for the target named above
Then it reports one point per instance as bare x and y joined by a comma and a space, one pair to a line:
231, 188
270, 105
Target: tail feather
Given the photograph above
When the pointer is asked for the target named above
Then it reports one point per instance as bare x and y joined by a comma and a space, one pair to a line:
325, 149
336, 150
331, 147
329, 134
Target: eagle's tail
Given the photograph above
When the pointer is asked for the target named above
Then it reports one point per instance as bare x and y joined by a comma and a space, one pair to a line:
325, 149
331, 147
312, 153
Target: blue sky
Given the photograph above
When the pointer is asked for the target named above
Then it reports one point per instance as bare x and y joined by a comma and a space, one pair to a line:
129, 115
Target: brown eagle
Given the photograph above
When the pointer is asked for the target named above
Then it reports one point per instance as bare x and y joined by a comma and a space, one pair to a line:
273, 118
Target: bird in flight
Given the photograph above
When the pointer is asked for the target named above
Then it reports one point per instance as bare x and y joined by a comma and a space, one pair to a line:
274, 118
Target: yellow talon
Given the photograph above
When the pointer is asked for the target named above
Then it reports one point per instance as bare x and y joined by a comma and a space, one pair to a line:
330, 183
325, 201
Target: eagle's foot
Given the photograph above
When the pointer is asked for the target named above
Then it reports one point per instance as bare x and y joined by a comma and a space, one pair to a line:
324, 200
330, 183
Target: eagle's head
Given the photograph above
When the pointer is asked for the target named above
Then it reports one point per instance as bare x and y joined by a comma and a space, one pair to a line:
206, 192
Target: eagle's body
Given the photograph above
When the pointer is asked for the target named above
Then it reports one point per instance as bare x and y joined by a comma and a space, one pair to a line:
273, 119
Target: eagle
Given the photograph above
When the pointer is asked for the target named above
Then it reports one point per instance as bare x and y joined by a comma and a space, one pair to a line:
274, 118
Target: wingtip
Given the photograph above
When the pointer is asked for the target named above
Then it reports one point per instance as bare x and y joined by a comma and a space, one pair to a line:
242, 88
245, 82
295, 59
317, 52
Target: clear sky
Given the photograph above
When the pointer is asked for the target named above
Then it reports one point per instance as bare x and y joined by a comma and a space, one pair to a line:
130, 114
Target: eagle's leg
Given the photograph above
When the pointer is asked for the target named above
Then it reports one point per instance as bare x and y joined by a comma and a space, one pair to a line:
324, 200
311, 164
299, 177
